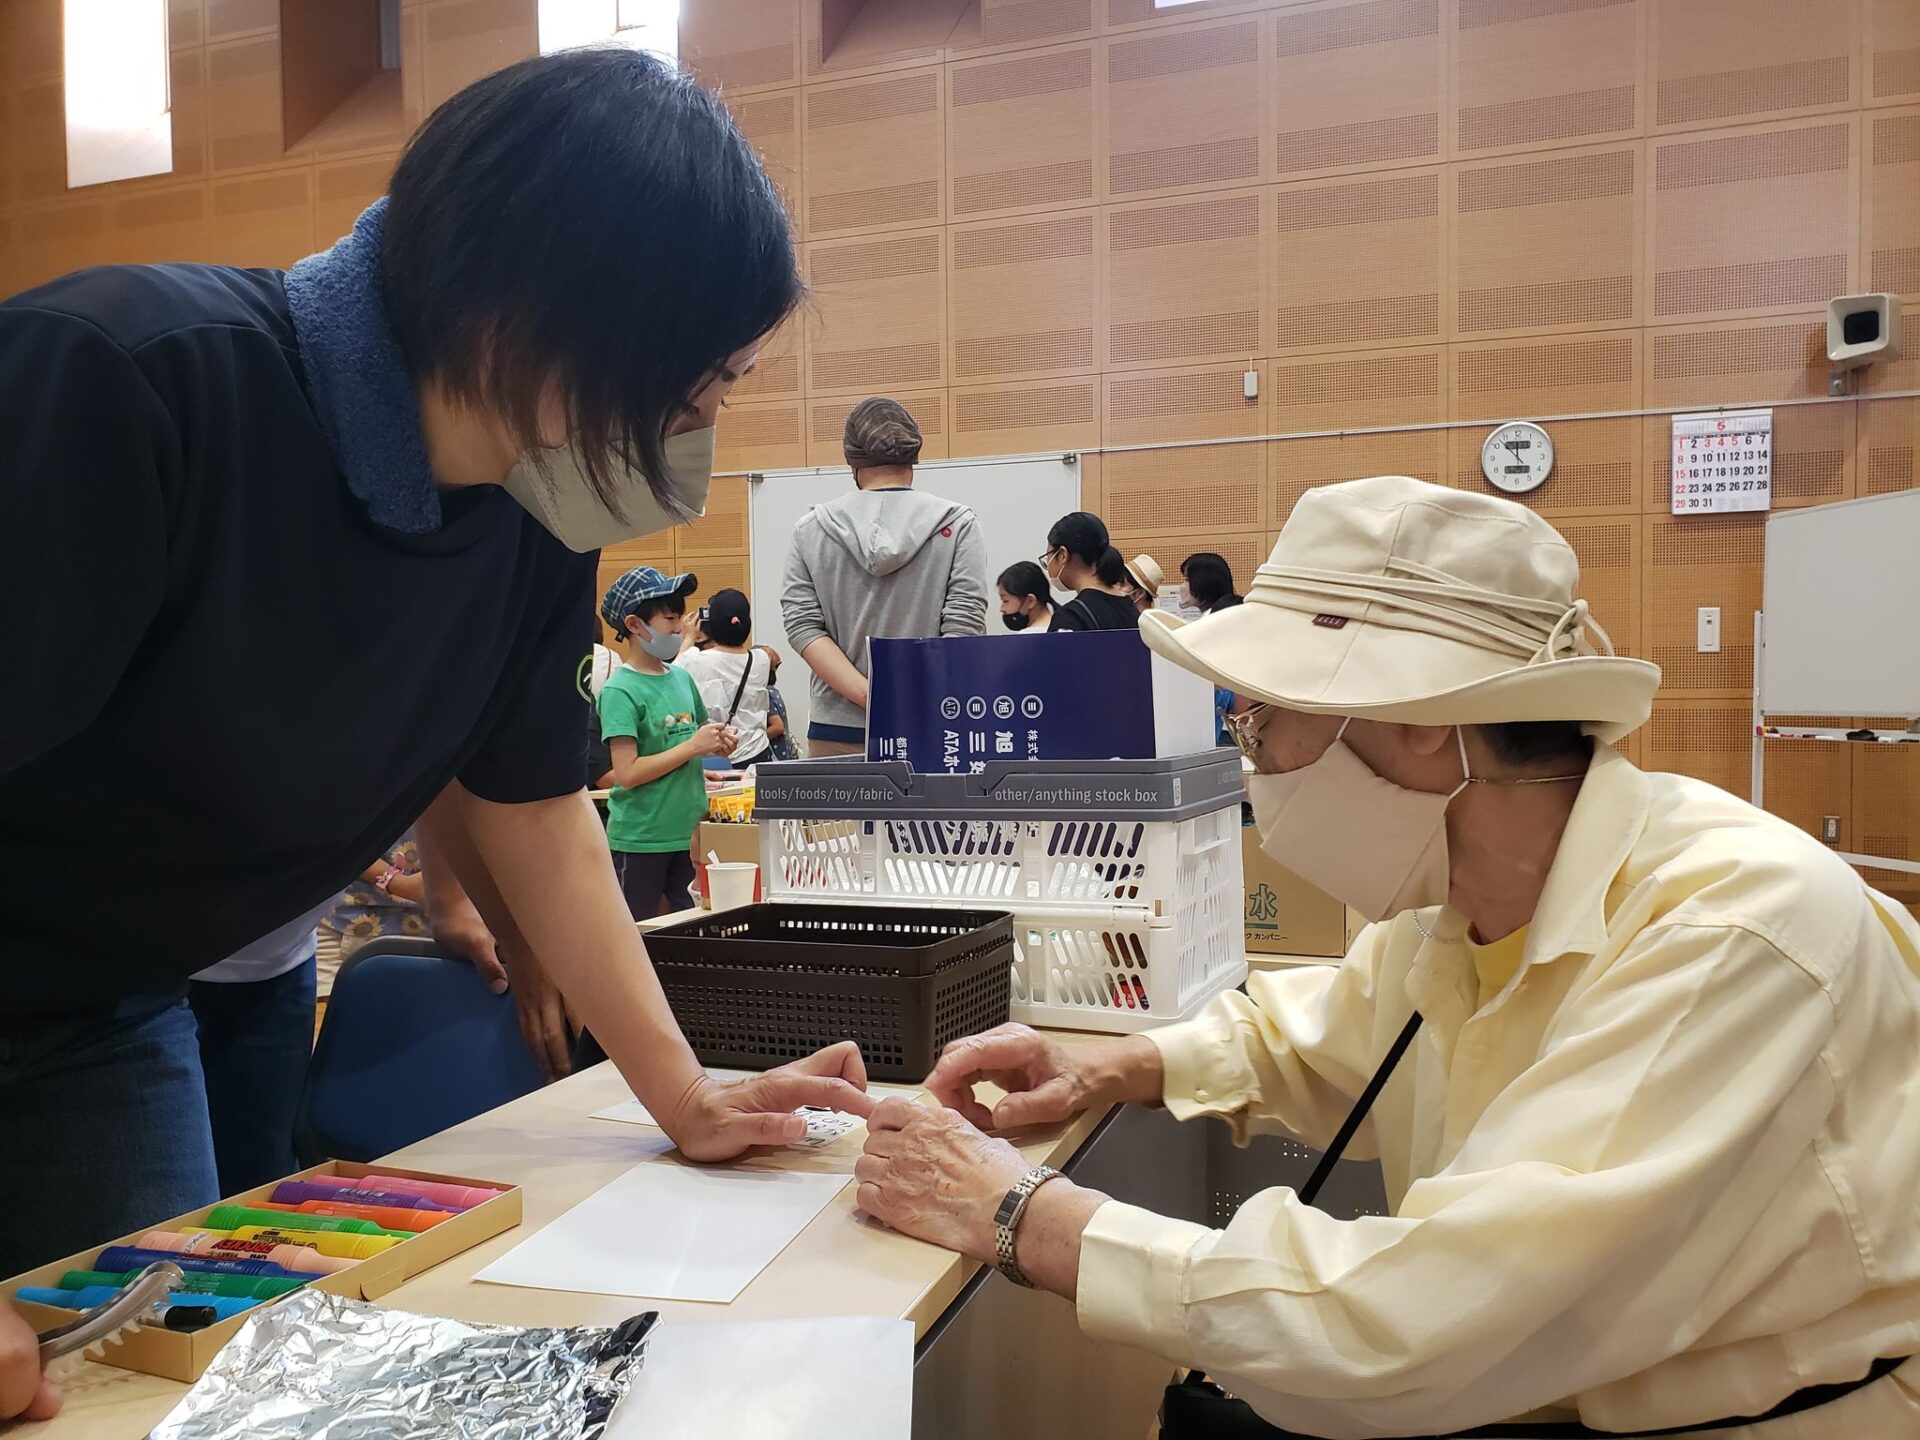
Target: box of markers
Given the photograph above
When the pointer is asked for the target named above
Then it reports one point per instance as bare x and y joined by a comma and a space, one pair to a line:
340, 1227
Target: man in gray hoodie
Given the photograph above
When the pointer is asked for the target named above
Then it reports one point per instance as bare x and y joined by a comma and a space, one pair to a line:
884, 562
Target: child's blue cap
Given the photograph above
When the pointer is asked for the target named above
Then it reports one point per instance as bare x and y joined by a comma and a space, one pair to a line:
643, 582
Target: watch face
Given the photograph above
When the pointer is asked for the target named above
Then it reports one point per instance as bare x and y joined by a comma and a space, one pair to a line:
1517, 457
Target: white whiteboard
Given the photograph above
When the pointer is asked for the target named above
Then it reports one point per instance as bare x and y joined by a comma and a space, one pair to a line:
1017, 500
1841, 600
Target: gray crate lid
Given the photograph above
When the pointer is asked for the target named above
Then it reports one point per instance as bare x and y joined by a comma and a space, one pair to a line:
1176, 787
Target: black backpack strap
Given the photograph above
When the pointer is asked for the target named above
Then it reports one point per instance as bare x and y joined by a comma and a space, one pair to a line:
1311, 1190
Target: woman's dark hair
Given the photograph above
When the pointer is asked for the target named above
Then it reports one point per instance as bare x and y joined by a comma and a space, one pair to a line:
591, 219
1081, 534
1209, 578
1532, 742
1023, 578
1111, 569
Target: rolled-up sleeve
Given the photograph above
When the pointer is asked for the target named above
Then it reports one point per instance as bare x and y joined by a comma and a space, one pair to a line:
1587, 1228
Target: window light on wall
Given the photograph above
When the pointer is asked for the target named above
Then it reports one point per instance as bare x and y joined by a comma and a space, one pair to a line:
119, 122
639, 24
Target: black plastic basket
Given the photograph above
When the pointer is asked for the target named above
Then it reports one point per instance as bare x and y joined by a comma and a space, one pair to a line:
761, 985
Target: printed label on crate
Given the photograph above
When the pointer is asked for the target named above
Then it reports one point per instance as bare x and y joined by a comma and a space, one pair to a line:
1723, 462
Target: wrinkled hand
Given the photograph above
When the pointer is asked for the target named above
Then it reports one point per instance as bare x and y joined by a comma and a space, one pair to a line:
710, 739
25, 1393
718, 1119
1044, 1080
546, 1021
459, 928
931, 1175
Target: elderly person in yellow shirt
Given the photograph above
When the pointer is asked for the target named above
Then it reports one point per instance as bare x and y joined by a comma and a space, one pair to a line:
1653, 1137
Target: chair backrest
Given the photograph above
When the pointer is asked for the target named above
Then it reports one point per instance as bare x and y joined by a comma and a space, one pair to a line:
412, 1042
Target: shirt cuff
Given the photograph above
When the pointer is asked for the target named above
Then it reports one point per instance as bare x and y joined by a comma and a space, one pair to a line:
1203, 1071
1133, 1267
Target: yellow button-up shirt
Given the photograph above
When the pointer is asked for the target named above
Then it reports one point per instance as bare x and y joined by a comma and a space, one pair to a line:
1669, 1174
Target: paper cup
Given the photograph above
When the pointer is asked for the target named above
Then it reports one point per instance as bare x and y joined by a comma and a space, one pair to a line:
730, 883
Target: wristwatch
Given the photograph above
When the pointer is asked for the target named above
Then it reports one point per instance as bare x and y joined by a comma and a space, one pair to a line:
1006, 1220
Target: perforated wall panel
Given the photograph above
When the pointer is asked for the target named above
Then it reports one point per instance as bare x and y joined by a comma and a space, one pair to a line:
1203, 403
827, 420
1609, 552
1386, 387
1549, 243
1808, 780
777, 372
1893, 49
1031, 416
1021, 132
880, 311
243, 104
874, 152
718, 572
1596, 468
1693, 561
173, 222
1706, 739
1518, 378
1296, 466
735, 45
771, 123
1791, 59
1754, 220
1032, 22
1359, 262
1183, 108
1891, 224
1533, 73
1216, 489
723, 529
1740, 363
1358, 86
1025, 297
264, 219
1886, 808
1184, 279
1889, 434
759, 435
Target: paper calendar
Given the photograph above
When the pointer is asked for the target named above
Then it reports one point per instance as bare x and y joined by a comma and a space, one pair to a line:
1723, 462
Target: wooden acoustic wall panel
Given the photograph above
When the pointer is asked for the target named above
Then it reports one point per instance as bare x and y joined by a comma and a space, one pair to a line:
1744, 362
465, 39
1808, 780
155, 226
1534, 73
1201, 403
1243, 550
1033, 22
1709, 740
1608, 548
1183, 109
1297, 466
1029, 417
30, 40
186, 24
1184, 280
1889, 440
776, 372
187, 74
719, 572
1358, 86
874, 153
1547, 243
1786, 58
341, 190
1339, 392
1359, 262
764, 435
1813, 448
1020, 132
1902, 372
36, 137
1024, 297
722, 530
234, 19
1753, 221
1214, 490
1596, 468
264, 219
1890, 239
881, 306
1893, 49
1886, 812
827, 420
741, 45
771, 123
1571, 375
1121, 15
243, 104
53, 239
1698, 560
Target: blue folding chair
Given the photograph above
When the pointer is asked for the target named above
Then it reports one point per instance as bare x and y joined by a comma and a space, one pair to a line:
413, 1042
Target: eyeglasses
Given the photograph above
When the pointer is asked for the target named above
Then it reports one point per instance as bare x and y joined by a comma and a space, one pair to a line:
1245, 728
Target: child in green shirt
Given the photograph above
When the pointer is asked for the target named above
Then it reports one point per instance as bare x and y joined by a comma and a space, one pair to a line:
656, 731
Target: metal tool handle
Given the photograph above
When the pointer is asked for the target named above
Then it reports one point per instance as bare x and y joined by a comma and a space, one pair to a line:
140, 1299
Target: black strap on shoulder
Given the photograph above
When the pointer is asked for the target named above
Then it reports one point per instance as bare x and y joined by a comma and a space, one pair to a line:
1311, 1190
741, 688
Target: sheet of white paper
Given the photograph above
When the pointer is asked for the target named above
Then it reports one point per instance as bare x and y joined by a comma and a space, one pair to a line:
670, 1232
825, 1379
632, 1112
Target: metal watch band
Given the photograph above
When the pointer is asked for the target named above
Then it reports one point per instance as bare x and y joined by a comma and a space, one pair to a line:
1006, 1221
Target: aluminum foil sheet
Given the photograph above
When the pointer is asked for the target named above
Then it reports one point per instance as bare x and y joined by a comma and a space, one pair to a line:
325, 1367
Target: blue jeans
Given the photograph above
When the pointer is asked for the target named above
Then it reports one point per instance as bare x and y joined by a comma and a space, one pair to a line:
256, 1038
103, 1127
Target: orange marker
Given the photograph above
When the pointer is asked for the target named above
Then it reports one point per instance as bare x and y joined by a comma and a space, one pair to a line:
301, 1258
387, 1217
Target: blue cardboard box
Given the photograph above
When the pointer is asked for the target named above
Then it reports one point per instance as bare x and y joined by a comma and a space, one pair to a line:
952, 705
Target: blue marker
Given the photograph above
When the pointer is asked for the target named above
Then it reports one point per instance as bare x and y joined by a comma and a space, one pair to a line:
224, 1307
117, 1259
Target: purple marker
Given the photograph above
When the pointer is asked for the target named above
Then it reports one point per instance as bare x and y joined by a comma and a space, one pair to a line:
293, 1192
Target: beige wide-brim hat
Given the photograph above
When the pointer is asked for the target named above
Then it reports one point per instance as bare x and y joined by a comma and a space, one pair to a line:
1393, 599
1145, 571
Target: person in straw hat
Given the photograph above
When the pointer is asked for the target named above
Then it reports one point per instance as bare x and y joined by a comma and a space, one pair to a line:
1641, 1058
1144, 578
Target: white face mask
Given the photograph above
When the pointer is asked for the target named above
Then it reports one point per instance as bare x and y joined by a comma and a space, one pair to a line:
1375, 845
552, 486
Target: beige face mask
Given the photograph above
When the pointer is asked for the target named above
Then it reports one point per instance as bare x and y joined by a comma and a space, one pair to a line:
1375, 845
552, 486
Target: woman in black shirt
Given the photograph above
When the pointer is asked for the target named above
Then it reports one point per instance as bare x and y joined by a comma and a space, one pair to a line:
1080, 558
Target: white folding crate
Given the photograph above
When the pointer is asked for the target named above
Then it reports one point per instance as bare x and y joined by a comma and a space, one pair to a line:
1120, 922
